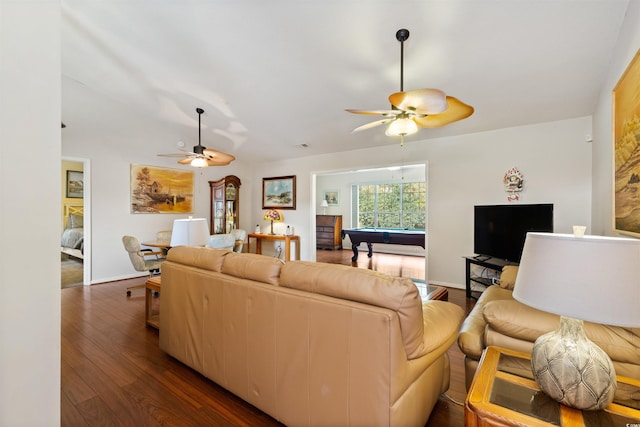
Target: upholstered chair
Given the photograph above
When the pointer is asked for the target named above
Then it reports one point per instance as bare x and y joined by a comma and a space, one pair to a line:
138, 257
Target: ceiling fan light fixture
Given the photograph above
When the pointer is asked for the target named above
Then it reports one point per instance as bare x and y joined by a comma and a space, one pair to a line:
199, 162
401, 127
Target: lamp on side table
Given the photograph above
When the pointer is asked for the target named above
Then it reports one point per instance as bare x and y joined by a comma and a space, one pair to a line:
592, 278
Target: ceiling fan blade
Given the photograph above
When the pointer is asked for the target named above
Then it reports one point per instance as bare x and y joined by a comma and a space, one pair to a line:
420, 101
186, 161
175, 155
218, 156
213, 162
373, 124
457, 110
376, 112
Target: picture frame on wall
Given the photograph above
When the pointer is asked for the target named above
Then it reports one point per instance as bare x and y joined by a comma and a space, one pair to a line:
332, 197
279, 192
75, 184
626, 150
158, 190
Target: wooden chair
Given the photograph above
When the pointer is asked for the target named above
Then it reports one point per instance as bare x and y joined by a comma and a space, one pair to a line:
137, 255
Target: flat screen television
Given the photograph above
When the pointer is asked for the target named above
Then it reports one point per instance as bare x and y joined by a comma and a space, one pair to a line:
500, 230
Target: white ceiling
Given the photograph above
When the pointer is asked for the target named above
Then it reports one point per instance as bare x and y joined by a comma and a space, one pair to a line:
272, 75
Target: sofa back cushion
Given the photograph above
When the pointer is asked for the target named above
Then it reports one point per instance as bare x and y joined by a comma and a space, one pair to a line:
366, 286
253, 267
196, 256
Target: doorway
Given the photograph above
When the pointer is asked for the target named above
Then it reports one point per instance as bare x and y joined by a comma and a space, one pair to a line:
337, 187
75, 241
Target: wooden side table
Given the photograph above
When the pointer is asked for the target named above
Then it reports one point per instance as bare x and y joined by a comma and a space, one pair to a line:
503, 393
287, 243
152, 285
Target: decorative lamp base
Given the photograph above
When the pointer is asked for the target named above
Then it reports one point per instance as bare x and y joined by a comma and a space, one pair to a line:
271, 232
571, 369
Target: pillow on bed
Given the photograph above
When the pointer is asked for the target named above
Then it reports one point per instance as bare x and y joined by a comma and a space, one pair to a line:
75, 221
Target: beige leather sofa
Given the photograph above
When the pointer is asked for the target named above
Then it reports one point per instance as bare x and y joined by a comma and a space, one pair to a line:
308, 343
499, 320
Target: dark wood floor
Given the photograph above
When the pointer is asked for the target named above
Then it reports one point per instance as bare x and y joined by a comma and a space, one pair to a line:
113, 372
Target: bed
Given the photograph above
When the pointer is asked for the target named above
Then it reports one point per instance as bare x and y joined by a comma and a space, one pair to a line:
72, 240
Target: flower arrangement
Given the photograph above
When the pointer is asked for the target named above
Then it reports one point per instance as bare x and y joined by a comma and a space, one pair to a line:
273, 215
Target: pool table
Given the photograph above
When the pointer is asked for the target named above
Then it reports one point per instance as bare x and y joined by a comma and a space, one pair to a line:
394, 236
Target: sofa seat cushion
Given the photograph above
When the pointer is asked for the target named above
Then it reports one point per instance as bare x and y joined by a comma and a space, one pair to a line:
195, 256
253, 267
366, 286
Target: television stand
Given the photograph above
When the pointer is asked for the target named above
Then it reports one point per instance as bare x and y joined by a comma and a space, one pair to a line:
486, 262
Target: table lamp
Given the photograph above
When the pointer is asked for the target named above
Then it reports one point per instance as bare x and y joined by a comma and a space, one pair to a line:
589, 278
273, 215
324, 205
190, 232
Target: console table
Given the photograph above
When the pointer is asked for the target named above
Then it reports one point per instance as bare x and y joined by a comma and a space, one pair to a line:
286, 239
483, 261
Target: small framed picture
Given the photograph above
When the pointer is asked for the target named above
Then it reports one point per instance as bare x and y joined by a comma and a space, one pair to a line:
75, 184
279, 192
332, 197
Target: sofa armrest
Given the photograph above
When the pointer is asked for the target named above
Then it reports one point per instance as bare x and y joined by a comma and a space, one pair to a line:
471, 334
441, 322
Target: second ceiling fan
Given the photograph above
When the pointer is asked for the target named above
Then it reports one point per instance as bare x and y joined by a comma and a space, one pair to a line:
201, 156
426, 108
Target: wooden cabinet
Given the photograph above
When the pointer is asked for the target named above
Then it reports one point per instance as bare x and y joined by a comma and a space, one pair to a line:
328, 229
225, 204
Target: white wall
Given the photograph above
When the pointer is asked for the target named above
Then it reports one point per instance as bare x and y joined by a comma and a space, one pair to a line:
626, 48
30, 213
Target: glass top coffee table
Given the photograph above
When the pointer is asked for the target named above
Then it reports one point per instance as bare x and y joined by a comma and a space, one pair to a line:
503, 393
431, 292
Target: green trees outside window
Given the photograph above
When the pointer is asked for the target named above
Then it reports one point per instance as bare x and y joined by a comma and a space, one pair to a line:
392, 205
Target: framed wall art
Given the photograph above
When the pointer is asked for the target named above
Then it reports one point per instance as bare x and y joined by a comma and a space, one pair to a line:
626, 150
161, 190
332, 197
279, 192
75, 184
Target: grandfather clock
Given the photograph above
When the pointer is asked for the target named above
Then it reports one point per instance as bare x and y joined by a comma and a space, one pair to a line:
225, 204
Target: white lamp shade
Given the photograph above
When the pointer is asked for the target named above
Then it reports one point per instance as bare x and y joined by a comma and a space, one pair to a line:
401, 127
324, 204
592, 278
190, 232
199, 162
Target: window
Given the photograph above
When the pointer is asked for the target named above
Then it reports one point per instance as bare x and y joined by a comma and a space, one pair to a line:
391, 205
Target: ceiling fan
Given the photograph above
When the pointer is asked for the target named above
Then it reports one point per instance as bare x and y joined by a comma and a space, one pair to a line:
201, 156
426, 108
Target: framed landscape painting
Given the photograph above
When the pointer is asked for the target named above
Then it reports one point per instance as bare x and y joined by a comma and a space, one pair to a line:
332, 197
161, 190
75, 184
626, 151
279, 192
